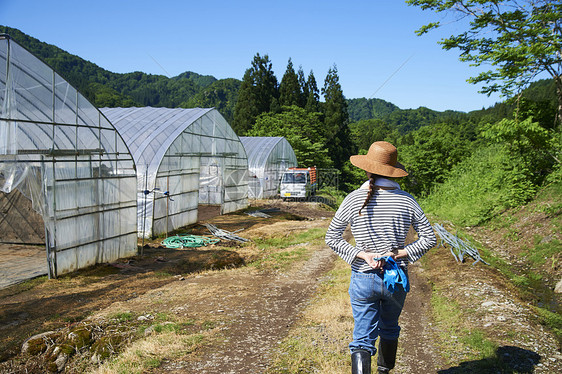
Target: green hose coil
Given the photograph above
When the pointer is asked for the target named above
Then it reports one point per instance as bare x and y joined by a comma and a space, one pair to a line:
192, 241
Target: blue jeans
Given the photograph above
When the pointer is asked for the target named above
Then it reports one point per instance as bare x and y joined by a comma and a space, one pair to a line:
375, 310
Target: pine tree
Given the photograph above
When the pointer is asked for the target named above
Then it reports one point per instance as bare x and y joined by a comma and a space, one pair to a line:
245, 110
303, 88
258, 94
289, 89
267, 88
336, 120
313, 94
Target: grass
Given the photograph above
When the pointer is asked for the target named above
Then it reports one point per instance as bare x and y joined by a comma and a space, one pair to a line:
281, 252
122, 316
459, 341
542, 251
290, 239
166, 340
145, 354
281, 260
551, 320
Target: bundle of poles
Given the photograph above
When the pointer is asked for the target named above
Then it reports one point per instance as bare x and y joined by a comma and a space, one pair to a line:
459, 248
223, 234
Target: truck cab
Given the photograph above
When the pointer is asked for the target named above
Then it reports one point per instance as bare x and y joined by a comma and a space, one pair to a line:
298, 183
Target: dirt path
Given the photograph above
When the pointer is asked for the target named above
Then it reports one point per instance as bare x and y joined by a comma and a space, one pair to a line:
417, 352
259, 310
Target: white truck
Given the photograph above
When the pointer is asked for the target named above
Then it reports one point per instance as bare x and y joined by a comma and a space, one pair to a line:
298, 183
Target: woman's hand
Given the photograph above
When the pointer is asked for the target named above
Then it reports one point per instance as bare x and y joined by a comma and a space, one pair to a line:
370, 259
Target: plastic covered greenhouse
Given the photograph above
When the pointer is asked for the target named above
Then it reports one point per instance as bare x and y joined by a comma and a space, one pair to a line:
268, 158
58, 150
185, 158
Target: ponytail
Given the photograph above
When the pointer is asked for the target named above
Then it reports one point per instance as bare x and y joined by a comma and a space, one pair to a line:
372, 179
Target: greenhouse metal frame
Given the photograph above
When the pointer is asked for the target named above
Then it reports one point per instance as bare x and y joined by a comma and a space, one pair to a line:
185, 158
60, 151
268, 158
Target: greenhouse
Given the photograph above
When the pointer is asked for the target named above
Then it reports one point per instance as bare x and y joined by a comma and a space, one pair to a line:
186, 159
268, 158
61, 153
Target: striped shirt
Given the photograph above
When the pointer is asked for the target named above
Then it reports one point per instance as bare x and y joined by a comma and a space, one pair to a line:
382, 226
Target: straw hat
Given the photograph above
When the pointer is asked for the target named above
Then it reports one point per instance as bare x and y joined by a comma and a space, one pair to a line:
382, 159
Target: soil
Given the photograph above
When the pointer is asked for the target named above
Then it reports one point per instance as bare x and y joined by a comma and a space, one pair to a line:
251, 311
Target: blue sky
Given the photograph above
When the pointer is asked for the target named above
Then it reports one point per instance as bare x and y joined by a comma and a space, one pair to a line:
371, 42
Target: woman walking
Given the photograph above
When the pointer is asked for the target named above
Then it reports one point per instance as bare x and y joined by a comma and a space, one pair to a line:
380, 215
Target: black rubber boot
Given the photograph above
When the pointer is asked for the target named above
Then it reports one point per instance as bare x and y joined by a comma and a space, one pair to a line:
387, 355
360, 362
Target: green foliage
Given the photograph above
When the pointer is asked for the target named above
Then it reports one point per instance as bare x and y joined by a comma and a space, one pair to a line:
430, 153
104, 96
430, 143
366, 132
245, 111
312, 94
520, 41
477, 188
220, 94
106, 89
412, 119
362, 109
536, 147
290, 91
401, 120
336, 120
331, 192
303, 130
203, 81
354, 177
259, 93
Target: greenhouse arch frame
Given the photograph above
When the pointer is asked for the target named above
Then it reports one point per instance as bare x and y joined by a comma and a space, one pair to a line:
185, 158
268, 158
59, 151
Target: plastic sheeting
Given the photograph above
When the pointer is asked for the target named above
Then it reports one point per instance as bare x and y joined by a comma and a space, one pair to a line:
58, 150
184, 157
268, 158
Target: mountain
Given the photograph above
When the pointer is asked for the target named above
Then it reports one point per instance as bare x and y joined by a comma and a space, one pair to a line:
107, 89
404, 120
369, 109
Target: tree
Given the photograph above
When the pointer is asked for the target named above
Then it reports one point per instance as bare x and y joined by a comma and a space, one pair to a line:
245, 110
430, 152
289, 88
303, 130
367, 131
520, 39
336, 120
303, 88
267, 88
313, 94
221, 94
259, 93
